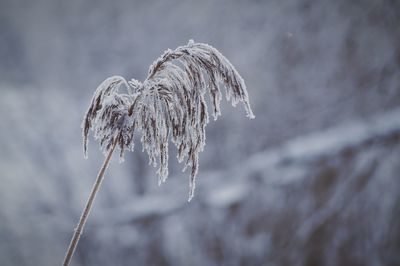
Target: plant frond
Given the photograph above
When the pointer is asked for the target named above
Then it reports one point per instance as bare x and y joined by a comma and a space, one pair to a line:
107, 115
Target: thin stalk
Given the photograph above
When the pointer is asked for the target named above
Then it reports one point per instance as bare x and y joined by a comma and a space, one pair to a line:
88, 207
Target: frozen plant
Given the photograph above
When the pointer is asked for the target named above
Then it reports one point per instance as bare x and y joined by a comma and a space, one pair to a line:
169, 104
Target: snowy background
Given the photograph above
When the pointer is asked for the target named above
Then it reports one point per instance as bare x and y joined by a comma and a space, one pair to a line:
314, 180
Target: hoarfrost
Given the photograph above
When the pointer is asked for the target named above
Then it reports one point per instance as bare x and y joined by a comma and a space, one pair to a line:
170, 103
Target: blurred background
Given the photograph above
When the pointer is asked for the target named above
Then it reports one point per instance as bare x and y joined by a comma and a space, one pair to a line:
313, 180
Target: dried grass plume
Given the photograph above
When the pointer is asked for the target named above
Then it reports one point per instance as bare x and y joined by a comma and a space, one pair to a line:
169, 104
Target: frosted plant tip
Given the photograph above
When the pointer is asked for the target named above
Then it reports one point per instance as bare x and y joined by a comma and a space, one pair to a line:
170, 104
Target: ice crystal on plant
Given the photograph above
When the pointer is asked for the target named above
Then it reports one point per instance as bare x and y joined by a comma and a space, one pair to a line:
169, 104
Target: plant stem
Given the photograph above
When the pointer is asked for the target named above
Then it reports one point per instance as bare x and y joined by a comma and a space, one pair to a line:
89, 203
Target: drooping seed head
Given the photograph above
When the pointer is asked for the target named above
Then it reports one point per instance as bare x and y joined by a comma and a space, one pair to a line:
169, 104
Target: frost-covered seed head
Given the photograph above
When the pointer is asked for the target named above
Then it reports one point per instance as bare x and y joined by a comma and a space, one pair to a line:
169, 104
